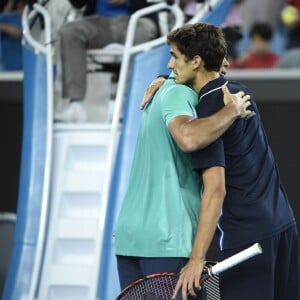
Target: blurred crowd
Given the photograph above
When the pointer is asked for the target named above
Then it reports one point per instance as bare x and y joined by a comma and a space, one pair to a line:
269, 34
261, 34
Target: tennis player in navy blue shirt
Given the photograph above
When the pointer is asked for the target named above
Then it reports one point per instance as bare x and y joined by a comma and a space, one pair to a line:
256, 206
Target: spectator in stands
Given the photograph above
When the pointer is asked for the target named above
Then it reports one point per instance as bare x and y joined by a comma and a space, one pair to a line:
290, 59
188, 7
252, 11
11, 33
259, 55
104, 22
233, 35
290, 17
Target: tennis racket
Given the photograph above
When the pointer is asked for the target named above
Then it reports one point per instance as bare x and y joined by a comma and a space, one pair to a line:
161, 286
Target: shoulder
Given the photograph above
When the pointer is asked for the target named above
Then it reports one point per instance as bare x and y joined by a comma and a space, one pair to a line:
235, 86
178, 94
171, 87
174, 100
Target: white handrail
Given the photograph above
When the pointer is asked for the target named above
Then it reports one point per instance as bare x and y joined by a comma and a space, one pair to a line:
26, 16
47, 50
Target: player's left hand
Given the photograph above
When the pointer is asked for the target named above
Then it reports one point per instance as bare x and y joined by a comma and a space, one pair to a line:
240, 101
189, 279
151, 90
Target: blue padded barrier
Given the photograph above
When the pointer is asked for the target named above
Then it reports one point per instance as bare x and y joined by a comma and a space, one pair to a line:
31, 177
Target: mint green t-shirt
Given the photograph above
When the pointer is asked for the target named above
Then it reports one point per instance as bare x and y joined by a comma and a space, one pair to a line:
159, 214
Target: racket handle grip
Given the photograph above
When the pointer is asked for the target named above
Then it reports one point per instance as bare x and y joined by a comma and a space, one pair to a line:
236, 259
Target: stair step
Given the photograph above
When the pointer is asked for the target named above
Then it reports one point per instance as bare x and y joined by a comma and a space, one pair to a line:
77, 228
71, 275
84, 181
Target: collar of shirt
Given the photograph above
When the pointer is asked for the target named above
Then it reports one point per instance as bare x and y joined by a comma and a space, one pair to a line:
212, 86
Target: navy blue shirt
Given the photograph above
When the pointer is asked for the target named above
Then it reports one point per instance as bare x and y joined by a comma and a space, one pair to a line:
256, 205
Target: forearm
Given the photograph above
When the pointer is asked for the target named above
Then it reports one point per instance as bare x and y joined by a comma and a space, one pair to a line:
211, 206
12, 31
196, 134
210, 210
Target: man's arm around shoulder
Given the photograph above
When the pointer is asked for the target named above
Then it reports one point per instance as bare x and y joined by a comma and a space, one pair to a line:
192, 134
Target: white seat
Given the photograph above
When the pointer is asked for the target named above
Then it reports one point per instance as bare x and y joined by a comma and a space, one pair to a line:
109, 56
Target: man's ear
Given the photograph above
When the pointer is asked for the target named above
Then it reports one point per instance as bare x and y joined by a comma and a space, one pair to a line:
197, 62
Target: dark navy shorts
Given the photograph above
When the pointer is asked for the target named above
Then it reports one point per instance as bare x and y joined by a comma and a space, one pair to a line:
274, 274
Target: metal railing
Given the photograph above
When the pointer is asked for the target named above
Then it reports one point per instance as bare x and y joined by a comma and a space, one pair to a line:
46, 49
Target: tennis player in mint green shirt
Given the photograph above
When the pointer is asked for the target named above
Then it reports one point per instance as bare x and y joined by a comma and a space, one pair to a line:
162, 183
159, 214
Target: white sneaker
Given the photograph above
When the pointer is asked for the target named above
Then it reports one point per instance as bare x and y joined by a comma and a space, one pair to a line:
74, 113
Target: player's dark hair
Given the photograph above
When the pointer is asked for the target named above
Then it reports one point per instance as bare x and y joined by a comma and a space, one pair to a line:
203, 39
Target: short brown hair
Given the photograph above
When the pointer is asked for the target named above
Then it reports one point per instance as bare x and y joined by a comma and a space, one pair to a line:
203, 39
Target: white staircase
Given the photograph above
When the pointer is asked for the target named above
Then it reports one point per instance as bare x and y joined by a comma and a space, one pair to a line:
75, 226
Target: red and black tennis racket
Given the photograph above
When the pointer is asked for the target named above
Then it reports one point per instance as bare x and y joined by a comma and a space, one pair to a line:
161, 286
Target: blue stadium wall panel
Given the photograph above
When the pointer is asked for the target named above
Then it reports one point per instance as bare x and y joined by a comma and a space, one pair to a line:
31, 177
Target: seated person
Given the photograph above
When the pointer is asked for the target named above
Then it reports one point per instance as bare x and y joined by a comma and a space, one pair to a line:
104, 22
233, 35
259, 55
11, 33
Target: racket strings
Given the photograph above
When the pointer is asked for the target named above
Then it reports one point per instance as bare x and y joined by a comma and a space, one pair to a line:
152, 288
161, 287
211, 288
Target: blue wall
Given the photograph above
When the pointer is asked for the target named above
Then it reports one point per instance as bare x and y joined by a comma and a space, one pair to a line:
31, 176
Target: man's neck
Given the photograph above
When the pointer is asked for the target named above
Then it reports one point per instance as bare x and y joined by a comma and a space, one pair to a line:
203, 78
